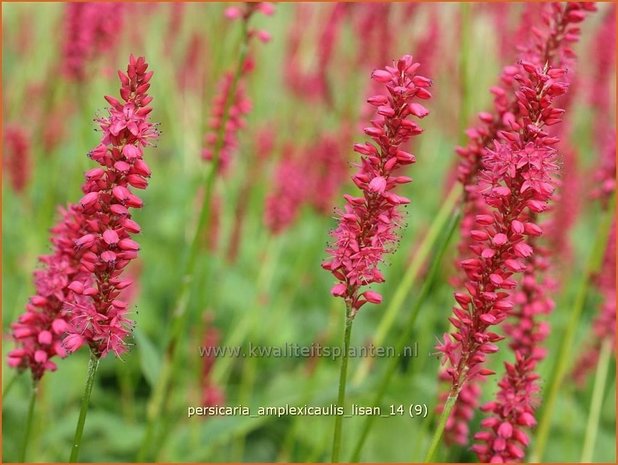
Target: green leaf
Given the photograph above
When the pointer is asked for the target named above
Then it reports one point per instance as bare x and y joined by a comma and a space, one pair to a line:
149, 358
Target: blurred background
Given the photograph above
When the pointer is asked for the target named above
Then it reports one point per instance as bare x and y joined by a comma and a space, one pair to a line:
258, 278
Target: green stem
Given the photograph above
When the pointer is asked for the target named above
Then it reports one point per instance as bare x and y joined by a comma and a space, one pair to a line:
567, 338
93, 364
437, 435
155, 404
29, 420
411, 274
404, 338
597, 401
343, 374
10, 384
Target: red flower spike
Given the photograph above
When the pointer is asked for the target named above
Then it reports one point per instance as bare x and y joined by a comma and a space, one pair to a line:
367, 225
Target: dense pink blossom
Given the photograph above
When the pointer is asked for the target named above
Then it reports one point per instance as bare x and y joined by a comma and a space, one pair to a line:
550, 45
516, 400
368, 223
517, 182
17, 156
39, 331
503, 439
90, 29
98, 316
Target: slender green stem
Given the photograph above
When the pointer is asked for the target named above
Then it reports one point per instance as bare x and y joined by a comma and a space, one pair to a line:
10, 384
127, 392
251, 320
567, 336
93, 364
600, 379
343, 375
411, 274
405, 335
179, 316
437, 435
29, 420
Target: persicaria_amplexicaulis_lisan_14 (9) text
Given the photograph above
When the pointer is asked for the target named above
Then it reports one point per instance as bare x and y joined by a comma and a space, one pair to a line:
368, 223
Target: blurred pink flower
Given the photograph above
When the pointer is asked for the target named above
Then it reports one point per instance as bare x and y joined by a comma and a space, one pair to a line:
603, 52
367, 225
17, 156
231, 104
90, 29
374, 32
290, 188
327, 169
233, 119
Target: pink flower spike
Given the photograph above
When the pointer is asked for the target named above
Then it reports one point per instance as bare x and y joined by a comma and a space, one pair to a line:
508, 170
367, 224
97, 317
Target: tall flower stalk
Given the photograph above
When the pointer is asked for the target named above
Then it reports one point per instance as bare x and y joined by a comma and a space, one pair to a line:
551, 46
98, 316
368, 223
156, 401
76, 300
516, 183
